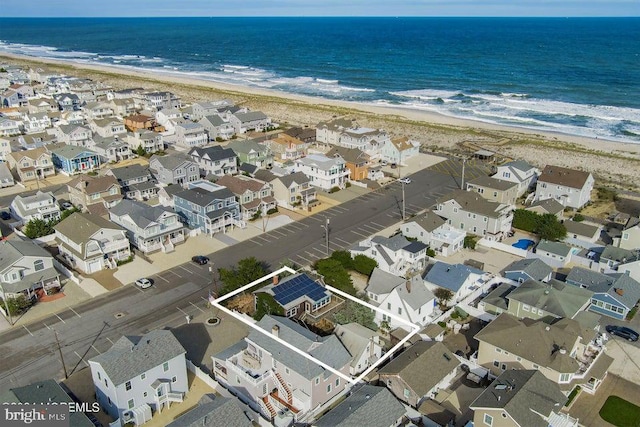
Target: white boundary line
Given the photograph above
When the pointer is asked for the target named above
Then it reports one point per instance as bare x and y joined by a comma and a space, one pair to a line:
354, 381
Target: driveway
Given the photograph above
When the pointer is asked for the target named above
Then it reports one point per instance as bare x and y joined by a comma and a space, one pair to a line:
626, 359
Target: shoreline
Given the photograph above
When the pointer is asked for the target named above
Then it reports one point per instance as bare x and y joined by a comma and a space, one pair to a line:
607, 159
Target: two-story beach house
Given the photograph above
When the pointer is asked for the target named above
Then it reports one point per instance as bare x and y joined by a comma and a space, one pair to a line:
363, 344
149, 141
108, 127
356, 160
324, 172
395, 255
399, 150
286, 147
217, 127
191, 135
434, 232
294, 190
570, 187
112, 149
149, 228
244, 122
519, 172
215, 160
253, 153
86, 191
209, 207
255, 197
460, 279
494, 190
79, 136
70, 159
175, 169
135, 182
30, 165
91, 243
41, 205
139, 376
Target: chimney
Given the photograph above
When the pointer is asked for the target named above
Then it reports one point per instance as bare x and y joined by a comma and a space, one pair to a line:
275, 280
275, 330
408, 286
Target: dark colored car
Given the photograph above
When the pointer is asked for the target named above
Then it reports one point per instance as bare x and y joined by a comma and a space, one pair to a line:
200, 259
623, 332
5, 215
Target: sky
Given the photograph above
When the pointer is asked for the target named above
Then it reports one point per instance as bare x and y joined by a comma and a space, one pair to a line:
155, 8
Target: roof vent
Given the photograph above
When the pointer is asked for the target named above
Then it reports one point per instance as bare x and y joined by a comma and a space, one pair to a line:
367, 396
563, 350
547, 328
546, 291
619, 291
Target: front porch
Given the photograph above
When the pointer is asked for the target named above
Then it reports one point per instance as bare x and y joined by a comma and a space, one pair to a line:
165, 243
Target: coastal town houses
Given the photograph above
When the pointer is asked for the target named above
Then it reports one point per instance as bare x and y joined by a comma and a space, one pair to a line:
176, 169
555, 254
217, 127
107, 127
494, 190
43, 206
140, 122
208, 207
255, 197
582, 234
9, 127
522, 397
612, 257
273, 377
294, 190
572, 188
67, 101
35, 122
215, 160
252, 153
111, 149
244, 122
156, 100
77, 135
614, 294
470, 212
123, 107
395, 255
140, 376
26, 269
420, 372
528, 269
285, 147
215, 411
36, 140
519, 172
203, 109
42, 105
94, 194
5, 148
149, 228
97, 110
30, 165
565, 352
324, 172
363, 344
169, 118
460, 279
135, 182
189, 135
434, 232
149, 141
6, 177
71, 160
90, 243
305, 134
399, 150
356, 161
347, 133
629, 237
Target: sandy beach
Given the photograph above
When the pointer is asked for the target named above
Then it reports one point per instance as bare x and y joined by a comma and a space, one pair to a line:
613, 163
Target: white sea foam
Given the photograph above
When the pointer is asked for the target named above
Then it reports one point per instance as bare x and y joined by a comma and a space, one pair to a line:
426, 94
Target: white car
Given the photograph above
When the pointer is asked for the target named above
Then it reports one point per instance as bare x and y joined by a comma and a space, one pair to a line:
143, 283
405, 180
66, 205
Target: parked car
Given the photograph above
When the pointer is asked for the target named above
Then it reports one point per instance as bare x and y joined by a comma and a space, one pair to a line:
66, 205
405, 180
623, 332
200, 259
144, 283
5, 215
394, 165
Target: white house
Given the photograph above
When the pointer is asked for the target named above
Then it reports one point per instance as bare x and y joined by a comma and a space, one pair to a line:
140, 375
434, 232
363, 344
399, 150
411, 301
520, 172
570, 187
395, 255
460, 279
191, 135
324, 172
38, 206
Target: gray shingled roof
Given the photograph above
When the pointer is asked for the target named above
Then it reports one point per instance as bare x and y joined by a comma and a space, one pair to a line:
470, 201
526, 395
214, 411
71, 151
557, 298
580, 228
131, 356
170, 162
394, 243
202, 197
141, 213
213, 153
520, 165
251, 116
450, 276
130, 172
493, 183
564, 176
297, 177
498, 297
382, 282
617, 254
418, 295
533, 267
355, 338
368, 406
13, 250
79, 227
429, 221
556, 248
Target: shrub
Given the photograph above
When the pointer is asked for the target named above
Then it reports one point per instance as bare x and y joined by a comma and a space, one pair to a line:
469, 242
334, 189
632, 313
573, 395
336, 275
272, 211
344, 257
17, 305
348, 184
454, 315
442, 324
38, 227
364, 265
525, 220
124, 261
431, 253
266, 304
578, 217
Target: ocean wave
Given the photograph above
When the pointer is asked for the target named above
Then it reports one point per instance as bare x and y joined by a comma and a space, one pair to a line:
426, 94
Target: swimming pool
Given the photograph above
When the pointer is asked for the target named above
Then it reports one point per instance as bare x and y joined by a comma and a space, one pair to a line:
524, 244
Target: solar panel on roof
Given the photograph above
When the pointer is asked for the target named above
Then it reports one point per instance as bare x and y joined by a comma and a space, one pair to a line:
296, 287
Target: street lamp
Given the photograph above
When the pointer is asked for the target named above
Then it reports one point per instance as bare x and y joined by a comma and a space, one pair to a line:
326, 232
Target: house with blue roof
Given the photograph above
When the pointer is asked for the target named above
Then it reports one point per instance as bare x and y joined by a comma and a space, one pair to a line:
460, 279
528, 269
71, 160
298, 295
614, 294
395, 255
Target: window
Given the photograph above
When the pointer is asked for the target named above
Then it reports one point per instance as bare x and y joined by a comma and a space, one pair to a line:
328, 388
565, 378
337, 382
488, 419
503, 366
535, 366
165, 366
144, 394
407, 393
496, 363
388, 306
106, 384
143, 376
286, 370
498, 350
130, 403
525, 307
99, 377
38, 265
519, 359
400, 310
317, 380
127, 385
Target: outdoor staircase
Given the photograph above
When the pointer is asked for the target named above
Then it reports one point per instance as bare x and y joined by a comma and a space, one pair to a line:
269, 406
282, 387
167, 246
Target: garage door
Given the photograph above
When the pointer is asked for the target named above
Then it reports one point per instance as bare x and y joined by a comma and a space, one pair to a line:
95, 265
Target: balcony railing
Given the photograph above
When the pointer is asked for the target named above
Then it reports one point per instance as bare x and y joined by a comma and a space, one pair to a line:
247, 375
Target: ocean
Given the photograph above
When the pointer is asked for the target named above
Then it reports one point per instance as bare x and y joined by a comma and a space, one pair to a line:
577, 76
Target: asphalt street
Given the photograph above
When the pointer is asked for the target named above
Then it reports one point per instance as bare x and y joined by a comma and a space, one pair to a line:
30, 353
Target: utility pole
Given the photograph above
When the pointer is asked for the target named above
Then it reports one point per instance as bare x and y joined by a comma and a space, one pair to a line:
64, 367
464, 160
402, 183
326, 232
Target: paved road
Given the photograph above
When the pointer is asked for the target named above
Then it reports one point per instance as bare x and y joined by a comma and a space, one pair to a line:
30, 352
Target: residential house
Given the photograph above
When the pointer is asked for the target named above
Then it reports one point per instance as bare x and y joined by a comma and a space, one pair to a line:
123, 107
380, 285
247, 169
175, 169
612, 257
112, 149
356, 161
35, 122
366, 406
169, 118
285, 147
97, 110
42, 105
252, 153
420, 372
305, 134
135, 182
244, 122
614, 294
630, 236
547, 206
208, 207
45, 392
267, 373
324, 172
26, 269
410, 301
299, 296
255, 197
139, 122
107, 127
460, 279
399, 150
200, 110
556, 254
497, 300
13, 98
68, 101
71, 160
36, 140
215, 160
521, 398
139, 375
217, 128
329, 132
528, 269
150, 141
149, 228
37, 206
9, 127
572, 188
363, 344
395, 255
565, 352
519, 172
91, 243
156, 101
291, 191
30, 165
5, 148
347, 133
77, 135
470, 212
191, 135
95, 194
581, 233
6, 178
165, 195
494, 190
214, 411
434, 232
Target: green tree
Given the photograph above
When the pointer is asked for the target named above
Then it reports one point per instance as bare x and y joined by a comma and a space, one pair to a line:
352, 312
525, 220
68, 212
431, 253
469, 242
443, 295
344, 257
364, 265
266, 304
549, 228
335, 275
38, 227
247, 270
17, 305
140, 151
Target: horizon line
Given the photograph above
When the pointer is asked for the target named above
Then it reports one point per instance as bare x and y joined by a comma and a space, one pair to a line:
335, 16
